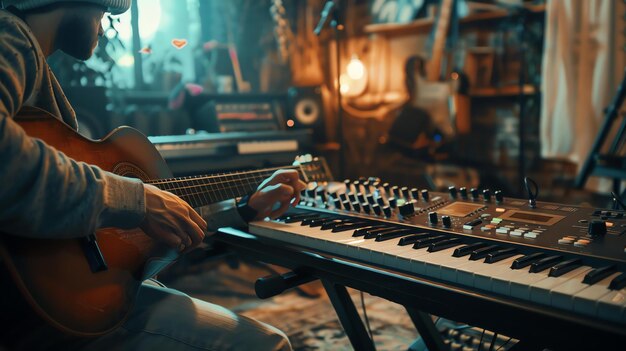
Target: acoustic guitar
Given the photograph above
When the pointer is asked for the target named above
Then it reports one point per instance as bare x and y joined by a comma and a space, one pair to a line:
87, 286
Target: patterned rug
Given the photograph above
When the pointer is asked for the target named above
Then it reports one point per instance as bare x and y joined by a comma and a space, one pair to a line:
309, 321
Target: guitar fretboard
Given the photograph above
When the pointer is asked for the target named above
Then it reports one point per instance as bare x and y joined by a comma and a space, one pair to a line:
200, 191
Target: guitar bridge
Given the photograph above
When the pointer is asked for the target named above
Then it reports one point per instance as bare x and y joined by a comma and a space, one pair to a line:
93, 254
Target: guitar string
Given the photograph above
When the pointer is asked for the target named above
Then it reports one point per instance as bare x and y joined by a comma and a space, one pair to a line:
219, 192
174, 180
233, 182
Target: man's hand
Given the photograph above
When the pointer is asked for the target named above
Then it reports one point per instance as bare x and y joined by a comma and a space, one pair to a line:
172, 220
284, 187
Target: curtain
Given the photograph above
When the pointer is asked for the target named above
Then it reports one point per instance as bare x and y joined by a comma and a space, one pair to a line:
582, 66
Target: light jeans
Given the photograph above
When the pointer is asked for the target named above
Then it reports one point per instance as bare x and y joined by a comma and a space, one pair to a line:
167, 319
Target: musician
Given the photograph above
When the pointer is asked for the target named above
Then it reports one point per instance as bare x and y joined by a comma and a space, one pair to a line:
45, 194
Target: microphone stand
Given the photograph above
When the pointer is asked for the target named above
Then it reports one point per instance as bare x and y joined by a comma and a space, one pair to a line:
331, 11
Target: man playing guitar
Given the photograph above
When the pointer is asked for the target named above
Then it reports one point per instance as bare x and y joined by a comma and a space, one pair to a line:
47, 195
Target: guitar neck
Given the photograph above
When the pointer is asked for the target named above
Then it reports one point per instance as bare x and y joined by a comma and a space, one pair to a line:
443, 22
204, 190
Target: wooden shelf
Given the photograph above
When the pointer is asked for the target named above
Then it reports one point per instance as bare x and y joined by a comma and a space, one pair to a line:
511, 90
425, 25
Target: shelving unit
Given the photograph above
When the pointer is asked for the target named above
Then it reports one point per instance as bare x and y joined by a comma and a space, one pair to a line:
425, 25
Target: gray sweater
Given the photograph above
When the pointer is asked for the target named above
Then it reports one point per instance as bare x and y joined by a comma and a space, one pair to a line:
44, 193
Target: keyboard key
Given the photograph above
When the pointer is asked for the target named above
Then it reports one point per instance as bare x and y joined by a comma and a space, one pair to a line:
564, 267
544, 263
500, 255
467, 249
598, 274
527, 260
482, 252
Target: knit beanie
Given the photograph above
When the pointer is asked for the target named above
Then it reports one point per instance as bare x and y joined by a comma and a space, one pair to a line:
115, 7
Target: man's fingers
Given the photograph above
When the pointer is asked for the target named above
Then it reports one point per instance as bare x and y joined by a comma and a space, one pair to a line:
288, 176
284, 206
195, 233
171, 239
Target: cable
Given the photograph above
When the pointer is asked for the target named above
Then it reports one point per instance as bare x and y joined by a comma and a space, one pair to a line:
480, 342
367, 320
494, 338
617, 200
503, 345
532, 193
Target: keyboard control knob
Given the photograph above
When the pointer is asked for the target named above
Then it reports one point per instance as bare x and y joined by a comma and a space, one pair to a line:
463, 192
405, 192
487, 195
380, 201
377, 209
499, 196
432, 218
474, 193
452, 191
425, 195
446, 221
387, 211
415, 194
360, 197
346, 205
596, 228
407, 209
366, 208
356, 206
387, 187
370, 199
337, 203
393, 202
395, 190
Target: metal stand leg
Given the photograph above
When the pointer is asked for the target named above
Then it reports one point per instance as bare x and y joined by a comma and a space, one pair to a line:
427, 329
348, 316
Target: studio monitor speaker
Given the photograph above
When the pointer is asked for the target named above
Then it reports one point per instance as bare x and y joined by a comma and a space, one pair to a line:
305, 109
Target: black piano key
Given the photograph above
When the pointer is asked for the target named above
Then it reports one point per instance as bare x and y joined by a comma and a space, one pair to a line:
544, 263
564, 267
422, 243
363, 231
350, 226
500, 255
483, 252
411, 239
467, 249
373, 232
299, 218
598, 274
444, 244
618, 282
332, 224
320, 221
308, 221
393, 234
527, 260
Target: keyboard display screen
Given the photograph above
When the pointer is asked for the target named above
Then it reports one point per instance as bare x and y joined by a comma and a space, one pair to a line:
460, 209
530, 217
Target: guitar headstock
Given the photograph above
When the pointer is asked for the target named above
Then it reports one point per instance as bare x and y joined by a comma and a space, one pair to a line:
313, 169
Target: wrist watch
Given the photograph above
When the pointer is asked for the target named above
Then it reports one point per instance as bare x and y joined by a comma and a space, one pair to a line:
246, 212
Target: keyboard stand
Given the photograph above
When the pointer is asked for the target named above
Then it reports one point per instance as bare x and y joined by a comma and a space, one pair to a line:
532, 324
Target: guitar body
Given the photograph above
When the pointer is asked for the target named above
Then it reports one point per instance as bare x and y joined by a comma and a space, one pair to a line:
54, 275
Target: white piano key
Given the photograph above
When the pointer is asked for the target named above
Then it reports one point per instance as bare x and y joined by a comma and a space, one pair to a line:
437, 263
540, 292
611, 306
482, 277
586, 300
516, 282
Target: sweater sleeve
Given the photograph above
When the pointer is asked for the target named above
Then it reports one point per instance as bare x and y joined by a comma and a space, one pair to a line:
44, 193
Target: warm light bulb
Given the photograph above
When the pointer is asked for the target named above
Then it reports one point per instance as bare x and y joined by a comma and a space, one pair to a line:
356, 70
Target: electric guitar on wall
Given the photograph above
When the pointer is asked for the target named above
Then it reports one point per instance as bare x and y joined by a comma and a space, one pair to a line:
87, 286
436, 96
